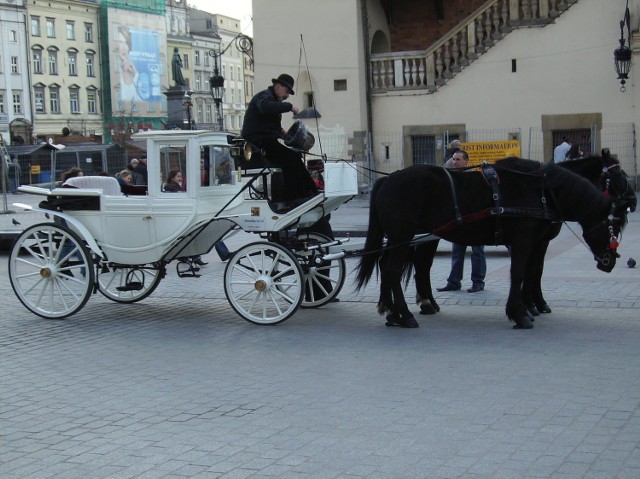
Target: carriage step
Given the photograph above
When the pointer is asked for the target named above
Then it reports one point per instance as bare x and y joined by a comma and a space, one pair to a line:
132, 286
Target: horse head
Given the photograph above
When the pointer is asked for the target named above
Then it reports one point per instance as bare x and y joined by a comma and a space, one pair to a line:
614, 182
604, 238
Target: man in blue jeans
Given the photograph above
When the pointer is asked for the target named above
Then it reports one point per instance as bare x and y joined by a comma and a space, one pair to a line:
460, 159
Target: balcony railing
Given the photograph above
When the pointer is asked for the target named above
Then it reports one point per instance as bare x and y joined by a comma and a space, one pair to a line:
429, 69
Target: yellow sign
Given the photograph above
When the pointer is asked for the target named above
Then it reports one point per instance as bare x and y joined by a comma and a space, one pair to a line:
35, 169
490, 151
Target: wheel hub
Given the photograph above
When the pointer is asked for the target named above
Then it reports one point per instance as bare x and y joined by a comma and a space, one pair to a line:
263, 283
46, 272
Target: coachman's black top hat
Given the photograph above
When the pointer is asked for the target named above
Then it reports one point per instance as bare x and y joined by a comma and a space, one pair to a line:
286, 80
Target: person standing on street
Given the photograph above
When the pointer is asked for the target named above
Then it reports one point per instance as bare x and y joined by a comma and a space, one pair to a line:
560, 151
460, 159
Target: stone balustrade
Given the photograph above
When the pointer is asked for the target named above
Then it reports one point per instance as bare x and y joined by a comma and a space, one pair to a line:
431, 68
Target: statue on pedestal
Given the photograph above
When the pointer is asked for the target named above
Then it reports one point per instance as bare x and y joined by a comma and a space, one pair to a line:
176, 68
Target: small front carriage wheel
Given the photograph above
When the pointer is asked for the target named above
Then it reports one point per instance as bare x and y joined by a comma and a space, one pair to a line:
128, 284
323, 280
263, 283
51, 271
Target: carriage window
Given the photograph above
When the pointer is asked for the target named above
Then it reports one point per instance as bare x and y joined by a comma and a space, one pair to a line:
173, 160
216, 166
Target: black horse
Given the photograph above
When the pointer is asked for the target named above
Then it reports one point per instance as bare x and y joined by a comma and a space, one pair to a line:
606, 174
470, 208
603, 171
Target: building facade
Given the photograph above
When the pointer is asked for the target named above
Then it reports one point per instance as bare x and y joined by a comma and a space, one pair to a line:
16, 108
90, 70
531, 70
65, 61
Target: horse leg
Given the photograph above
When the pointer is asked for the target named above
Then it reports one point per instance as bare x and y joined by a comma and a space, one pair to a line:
422, 263
385, 301
516, 309
537, 298
392, 277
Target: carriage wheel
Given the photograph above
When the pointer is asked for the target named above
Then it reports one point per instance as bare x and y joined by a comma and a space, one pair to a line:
127, 284
51, 270
263, 283
323, 280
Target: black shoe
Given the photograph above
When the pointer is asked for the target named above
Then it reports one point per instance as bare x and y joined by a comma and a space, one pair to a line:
225, 257
449, 287
475, 288
199, 262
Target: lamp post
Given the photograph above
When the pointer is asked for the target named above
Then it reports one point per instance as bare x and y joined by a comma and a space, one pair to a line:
622, 54
216, 83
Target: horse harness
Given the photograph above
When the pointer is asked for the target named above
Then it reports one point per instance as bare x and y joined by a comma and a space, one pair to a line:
498, 210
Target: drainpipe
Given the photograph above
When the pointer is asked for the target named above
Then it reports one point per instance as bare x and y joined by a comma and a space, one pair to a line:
367, 63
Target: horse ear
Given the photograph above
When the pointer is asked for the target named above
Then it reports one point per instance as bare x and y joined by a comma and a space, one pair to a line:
606, 153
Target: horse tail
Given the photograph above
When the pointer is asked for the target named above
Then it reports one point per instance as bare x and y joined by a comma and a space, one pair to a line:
373, 243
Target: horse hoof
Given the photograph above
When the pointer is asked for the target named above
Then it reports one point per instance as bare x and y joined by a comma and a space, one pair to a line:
523, 322
533, 311
544, 308
428, 309
394, 320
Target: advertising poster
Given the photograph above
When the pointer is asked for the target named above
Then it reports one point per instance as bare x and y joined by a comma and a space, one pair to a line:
138, 62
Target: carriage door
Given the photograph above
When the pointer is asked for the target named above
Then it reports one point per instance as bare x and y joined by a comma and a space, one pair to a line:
424, 149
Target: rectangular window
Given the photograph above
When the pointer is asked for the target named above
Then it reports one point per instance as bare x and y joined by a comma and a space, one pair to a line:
73, 70
207, 111
197, 57
13, 36
198, 83
1, 103
206, 60
14, 65
231, 71
54, 100
186, 61
35, 26
200, 113
39, 100
17, 103
88, 32
339, 85
90, 62
37, 61
53, 62
51, 27
74, 101
71, 30
91, 102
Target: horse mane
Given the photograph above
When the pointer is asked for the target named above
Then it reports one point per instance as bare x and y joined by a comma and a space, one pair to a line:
579, 193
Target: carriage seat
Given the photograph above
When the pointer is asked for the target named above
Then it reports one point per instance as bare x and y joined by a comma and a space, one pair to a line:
107, 184
82, 193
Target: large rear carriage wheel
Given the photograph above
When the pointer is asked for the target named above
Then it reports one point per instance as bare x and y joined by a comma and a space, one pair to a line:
51, 270
263, 283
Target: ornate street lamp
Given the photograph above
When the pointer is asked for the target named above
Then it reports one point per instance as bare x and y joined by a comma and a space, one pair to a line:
216, 83
622, 54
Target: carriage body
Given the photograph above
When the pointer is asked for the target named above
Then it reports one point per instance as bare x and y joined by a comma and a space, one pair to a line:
150, 227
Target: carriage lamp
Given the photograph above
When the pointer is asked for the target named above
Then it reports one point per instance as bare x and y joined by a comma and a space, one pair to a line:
216, 84
622, 54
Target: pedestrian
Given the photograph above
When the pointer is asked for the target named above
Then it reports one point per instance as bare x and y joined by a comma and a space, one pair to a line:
14, 175
560, 151
460, 159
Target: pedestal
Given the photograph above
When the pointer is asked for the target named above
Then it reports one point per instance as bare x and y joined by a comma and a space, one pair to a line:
177, 117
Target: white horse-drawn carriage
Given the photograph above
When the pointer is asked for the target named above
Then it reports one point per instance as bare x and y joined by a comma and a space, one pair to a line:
97, 239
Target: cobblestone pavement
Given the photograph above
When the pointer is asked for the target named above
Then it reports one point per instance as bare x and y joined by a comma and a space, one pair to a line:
180, 386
